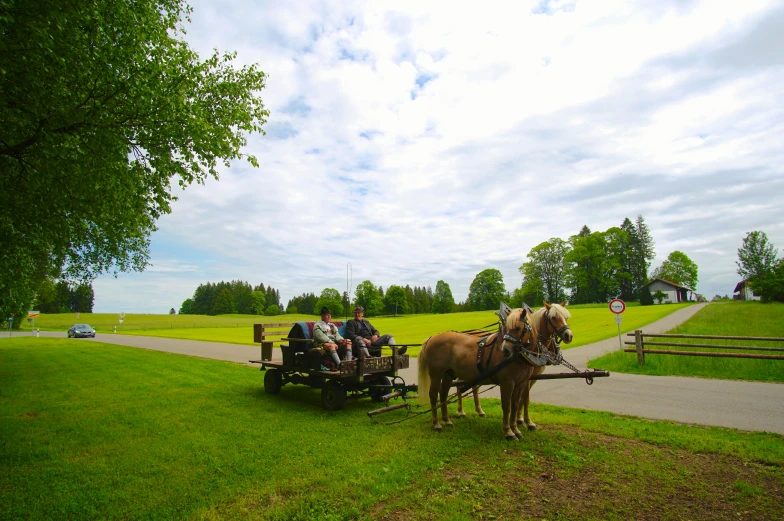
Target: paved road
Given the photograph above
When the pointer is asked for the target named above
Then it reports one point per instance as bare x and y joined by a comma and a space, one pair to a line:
752, 406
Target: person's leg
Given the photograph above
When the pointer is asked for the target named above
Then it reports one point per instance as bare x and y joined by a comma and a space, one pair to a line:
334, 355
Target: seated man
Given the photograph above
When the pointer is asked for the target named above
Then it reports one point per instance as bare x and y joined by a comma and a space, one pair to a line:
327, 338
364, 335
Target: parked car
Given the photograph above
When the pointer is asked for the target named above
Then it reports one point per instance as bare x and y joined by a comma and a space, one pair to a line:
81, 331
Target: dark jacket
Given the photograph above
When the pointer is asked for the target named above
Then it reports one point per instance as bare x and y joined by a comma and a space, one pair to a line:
354, 328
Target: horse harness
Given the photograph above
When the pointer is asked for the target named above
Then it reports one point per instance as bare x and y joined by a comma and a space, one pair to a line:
483, 361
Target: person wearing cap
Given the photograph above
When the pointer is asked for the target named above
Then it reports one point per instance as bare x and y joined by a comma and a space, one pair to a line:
363, 335
328, 339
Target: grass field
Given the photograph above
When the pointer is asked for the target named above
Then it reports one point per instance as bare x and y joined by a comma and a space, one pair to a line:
95, 431
589, 323
730, 318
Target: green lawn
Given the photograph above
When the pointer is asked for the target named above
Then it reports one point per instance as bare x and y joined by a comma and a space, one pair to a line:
589, 324
728, 318
95, 431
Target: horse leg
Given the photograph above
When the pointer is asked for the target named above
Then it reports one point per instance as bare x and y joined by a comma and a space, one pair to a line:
517, 401
506, 404
526, 399
460, 412
446, 385
434, 385
477, 405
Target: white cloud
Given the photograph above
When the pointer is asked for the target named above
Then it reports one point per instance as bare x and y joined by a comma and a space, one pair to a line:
429, 140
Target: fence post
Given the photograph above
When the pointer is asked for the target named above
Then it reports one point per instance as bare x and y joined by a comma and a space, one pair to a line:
639, 345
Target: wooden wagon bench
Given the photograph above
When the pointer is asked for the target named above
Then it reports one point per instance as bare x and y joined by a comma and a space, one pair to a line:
302, 364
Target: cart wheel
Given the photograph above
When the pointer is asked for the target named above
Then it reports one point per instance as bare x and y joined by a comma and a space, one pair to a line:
333, 396
376, 392
273, 381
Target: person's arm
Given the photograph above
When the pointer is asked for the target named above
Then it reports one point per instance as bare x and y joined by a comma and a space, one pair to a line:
320, 336
351, 329
373, 331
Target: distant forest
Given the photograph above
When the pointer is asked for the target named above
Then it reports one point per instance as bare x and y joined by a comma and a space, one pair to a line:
235, 297
63, 297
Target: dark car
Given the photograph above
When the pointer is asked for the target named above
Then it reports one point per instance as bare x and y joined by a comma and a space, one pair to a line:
81, 331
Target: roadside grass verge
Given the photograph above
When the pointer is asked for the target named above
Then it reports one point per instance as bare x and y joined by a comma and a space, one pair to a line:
730, 318
95, 431
589, 323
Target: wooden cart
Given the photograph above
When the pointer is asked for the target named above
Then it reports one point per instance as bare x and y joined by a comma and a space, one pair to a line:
302, 364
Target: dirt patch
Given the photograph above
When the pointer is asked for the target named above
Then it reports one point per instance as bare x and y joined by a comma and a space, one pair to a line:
593, 477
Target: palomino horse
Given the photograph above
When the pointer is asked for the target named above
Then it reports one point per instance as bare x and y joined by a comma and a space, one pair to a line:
552, 327
451, 355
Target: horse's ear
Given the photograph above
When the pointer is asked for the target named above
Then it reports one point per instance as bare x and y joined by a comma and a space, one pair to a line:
563, 304
547, 305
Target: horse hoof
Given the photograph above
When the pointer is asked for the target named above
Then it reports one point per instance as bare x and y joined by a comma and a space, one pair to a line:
511, 437
532, 427
449, 424
520, 422
519, 435
482, 415
437, 428
461, 415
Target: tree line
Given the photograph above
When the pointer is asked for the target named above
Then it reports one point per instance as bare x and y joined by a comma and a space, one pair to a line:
63, 297
235, 297
598, 266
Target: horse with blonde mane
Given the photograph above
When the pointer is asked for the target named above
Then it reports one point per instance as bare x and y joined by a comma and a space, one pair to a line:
552, 327
451, 355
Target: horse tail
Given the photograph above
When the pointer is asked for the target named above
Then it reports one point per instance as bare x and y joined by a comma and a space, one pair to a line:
423, 380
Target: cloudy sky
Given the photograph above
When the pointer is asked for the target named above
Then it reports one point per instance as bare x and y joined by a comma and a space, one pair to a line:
428, 140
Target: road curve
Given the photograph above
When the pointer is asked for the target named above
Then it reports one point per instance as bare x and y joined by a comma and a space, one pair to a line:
751, 406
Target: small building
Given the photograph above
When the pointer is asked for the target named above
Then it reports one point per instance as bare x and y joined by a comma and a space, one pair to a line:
673, 292
744, 291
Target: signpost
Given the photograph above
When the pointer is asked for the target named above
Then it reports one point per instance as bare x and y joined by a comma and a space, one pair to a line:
618, 306
10, 324
31, 316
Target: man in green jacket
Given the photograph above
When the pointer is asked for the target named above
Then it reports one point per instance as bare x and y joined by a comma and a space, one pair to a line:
327, 338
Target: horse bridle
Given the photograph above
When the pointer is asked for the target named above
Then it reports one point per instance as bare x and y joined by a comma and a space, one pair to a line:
557, 335
517, 343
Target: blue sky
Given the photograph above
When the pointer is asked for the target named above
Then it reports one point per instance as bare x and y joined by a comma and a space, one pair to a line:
421, 141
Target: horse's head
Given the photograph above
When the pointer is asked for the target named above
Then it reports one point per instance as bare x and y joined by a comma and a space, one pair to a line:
556, 323
520, 332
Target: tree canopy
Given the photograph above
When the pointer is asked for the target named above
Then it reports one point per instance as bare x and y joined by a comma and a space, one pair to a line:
546, 268
332, 300
104, 107
443, 301
758, 261
369, 297
678, 268
756, 257
487, 290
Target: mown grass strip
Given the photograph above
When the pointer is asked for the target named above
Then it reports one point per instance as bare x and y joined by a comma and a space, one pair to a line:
729, 318
94, 431
589, 323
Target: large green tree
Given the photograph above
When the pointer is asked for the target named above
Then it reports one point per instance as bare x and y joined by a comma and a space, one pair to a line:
487, 290
593, 264
443, 301
395, 300
103, 106
756, 257
368, 296
546, 267
331, 299
678, 268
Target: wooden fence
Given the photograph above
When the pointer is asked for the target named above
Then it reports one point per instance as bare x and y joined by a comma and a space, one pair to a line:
640, 346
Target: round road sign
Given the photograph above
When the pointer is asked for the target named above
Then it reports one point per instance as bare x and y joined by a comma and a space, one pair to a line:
617, 306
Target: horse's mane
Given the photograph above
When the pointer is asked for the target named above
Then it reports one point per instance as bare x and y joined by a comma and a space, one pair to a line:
554, 308
514, 320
